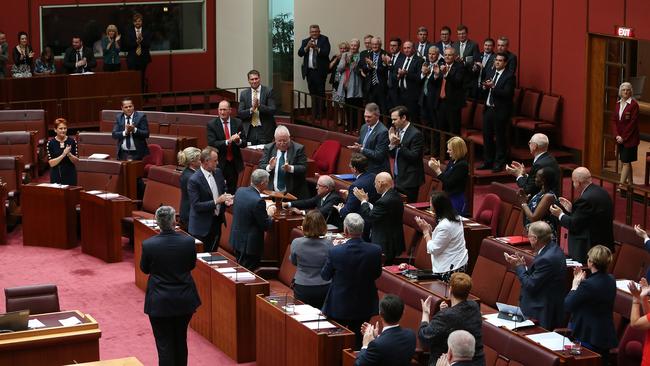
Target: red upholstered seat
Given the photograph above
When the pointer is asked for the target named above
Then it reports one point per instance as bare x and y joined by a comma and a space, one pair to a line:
326, 156
630, 348
548, 116
155, 157
529, 106
38, 299
488, 213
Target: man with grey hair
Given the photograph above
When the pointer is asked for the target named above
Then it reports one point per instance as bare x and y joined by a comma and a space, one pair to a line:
460, 344
286, 163
324, 201
250, 219
589, 219
171, 297
353, 268
542, 159
542, 282
373, 141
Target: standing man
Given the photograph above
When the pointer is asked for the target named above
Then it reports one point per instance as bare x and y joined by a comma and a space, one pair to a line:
171, 297
542, 159
384, 217
286, 162
406, 147
429, 95
4, 54
408, 79
373, 141
353, 268
445, 39
468, 54
77, 58
376, 71
589, 219
226, 135
502, 47
324, 201
394, 57
543, 283
315, 52
250, 219
500, 87
423, 44
449, 79
137, 42
131, 130
483, 66
208, 199
257, 111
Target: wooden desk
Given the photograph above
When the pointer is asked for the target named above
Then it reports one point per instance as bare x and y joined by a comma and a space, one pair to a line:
128, 361
3, 213
50, 215
53, 345
282, 340
349, 357
101, 224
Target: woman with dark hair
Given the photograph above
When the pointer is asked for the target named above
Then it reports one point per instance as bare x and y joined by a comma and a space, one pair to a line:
591, 303
537, 207
446, 243
23, 58
45, 63
309, 254
62, 155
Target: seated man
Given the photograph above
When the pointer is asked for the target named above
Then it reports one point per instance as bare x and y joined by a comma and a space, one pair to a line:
286, 163
77, 58
396, 345
324, 200
461, 350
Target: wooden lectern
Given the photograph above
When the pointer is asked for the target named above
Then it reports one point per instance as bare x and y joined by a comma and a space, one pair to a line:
50, 215
279, 197
101, 224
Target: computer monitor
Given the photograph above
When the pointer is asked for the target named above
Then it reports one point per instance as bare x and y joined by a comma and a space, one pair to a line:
14, 320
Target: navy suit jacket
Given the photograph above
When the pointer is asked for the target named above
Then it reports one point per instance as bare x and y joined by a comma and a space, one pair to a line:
376, 148
202, 203
249, 221
454, 86
591, 306
168, 258
322, 56
393, 347
543, 287
353, 268
365, 181
140, 136
545, 161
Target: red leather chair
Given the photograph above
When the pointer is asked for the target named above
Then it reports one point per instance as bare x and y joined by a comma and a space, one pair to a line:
326, 156
38, 299
488, 213
630, 348
155, 157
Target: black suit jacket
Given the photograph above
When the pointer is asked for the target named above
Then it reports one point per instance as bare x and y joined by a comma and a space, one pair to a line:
168, 258
416, 48
130, 45
202, 203
385, 220
365, 181
322, 56
590, 222
430, 99
391, 71
376, 147
543, 287
503, 91
471, 50
140, 136
488, 68
185, 198
412, 77
70, 59
326, 207
217, 139
512, 62
295, 155
410, 167
394, 346
547, 162
441, 47
454, 177
454, 86
368, 70
591, 306
249, 222
266, 109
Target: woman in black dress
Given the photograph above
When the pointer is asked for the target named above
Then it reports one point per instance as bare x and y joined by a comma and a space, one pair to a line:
62, 155
456, 175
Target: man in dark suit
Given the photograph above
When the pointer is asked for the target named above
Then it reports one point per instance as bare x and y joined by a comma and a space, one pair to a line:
353, 268
250, 219
285, 160
543, 282
324, 201
406, 147
408, 79
500, 88
226, 135
257, 111
448, 80
77, 58
315, 52
461, 346
373, 141
394, 57
363, 180
429, 95
484, 66
589, 219
445, 39
395, 345
131, 130
502, 47
423, 44
542, 159
468, 54
137, 42
384, 217
376, 71
171, 297
208, 199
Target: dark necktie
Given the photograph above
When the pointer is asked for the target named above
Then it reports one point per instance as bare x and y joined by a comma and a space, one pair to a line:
281, 173
375, 61
128, 136
226, 132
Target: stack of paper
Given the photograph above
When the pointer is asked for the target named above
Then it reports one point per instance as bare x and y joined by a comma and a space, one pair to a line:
551, 340
498, 322
306, 309
240, 276
317, 325
622, 285
34, 323
70, 321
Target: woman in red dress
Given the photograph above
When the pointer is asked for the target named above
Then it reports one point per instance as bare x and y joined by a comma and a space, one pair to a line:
626, 129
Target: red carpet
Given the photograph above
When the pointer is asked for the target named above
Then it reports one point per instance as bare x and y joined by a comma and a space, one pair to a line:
105, 291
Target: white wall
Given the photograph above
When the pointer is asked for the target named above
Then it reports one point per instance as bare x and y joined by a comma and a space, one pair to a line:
242, 41
339, 20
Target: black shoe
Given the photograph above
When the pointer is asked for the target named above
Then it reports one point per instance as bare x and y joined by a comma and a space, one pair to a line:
485, 166
498, 168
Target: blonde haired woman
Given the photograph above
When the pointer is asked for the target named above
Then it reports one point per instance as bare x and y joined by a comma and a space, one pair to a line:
188, 158
625, 126
111, 48
454, 178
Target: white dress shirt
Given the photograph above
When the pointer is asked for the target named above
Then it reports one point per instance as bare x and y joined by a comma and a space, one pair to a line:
213, 187
447, 246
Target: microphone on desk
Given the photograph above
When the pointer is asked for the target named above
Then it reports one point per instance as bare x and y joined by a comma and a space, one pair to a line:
110, 178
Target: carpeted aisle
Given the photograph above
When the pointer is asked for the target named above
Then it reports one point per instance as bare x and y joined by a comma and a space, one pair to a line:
105, 291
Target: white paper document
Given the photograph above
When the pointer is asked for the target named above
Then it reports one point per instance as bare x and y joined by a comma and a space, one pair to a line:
498, 322
108, 196
551, 340
95, 192
201, 255
98, 156
53, 185
306, 309
319, 325
226, 270
308, 317
34, 323
622, 285
70, 321
240, 276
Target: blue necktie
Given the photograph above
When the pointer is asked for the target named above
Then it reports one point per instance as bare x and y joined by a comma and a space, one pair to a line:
281, 173
365, 138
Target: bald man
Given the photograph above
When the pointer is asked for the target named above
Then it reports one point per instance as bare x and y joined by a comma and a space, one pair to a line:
384, 217
324, 201
226, 135
589, 219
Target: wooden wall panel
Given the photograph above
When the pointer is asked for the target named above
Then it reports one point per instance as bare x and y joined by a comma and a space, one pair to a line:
504, 21
422, 13
536, 46
397, 20
605, 14
638, 17
476, 16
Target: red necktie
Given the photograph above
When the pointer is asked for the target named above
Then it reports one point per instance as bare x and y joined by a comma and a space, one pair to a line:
226, 131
